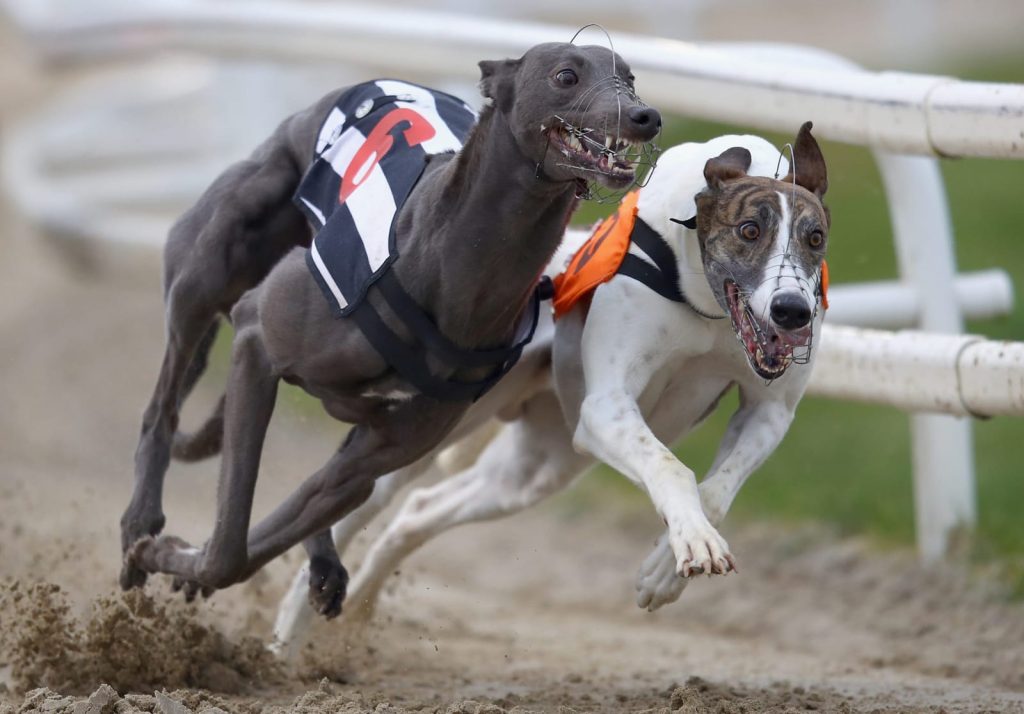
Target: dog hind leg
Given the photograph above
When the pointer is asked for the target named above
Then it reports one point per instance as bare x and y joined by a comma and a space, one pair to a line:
188, 321
529, 459
295, 613
252, 389
220, 248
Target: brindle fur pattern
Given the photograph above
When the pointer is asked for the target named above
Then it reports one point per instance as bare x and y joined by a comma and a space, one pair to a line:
732, 198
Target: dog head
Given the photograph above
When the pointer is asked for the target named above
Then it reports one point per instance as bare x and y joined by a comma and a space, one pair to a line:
573, 111
763, 242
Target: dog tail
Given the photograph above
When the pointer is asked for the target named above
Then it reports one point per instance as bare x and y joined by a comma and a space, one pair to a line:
204, 442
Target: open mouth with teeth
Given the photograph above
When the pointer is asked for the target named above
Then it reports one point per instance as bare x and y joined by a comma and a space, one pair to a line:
769, 350
612, 160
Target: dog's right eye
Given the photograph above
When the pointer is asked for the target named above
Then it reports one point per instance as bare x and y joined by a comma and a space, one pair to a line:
567, 78
750, 231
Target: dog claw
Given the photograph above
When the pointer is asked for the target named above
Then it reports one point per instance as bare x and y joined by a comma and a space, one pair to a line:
720, 567
191, 588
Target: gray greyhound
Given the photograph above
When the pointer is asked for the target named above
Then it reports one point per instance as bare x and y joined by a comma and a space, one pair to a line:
474, 235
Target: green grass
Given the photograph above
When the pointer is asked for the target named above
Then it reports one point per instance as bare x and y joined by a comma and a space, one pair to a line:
849, 464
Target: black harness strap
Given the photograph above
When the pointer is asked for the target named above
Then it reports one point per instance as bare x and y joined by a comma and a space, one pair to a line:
410, 361
663, 276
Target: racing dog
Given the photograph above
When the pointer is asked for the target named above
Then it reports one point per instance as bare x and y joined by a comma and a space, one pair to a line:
710, 277
398, 347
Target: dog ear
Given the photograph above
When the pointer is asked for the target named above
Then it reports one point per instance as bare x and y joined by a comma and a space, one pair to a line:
497, 82
808, 163
730, 164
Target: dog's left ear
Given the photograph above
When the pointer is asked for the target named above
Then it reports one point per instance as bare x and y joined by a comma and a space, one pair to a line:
808, 163
730, 164
497, 82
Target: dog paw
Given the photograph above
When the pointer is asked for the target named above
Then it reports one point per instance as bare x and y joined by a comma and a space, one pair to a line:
699, 549
328, 582
657, 582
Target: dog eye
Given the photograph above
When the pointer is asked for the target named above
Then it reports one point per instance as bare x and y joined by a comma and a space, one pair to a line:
816, 239
750, 231
567, 78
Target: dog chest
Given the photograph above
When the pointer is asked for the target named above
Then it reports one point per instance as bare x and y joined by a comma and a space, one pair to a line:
684, 394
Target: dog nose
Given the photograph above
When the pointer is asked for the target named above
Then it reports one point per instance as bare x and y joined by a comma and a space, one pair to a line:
646, 121
790, 311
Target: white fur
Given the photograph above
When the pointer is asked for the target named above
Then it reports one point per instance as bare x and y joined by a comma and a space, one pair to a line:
650, 369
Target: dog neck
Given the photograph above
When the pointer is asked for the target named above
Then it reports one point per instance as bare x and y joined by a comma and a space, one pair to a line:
493, 225
692, 281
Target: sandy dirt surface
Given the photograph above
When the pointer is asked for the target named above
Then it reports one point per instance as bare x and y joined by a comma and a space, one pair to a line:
531, 614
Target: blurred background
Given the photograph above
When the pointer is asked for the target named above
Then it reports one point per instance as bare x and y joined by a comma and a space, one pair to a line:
102, 147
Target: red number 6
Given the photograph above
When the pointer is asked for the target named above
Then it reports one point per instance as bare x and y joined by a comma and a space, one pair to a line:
379, 143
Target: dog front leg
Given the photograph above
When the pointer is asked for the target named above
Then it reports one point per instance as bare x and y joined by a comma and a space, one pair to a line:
373, 448
296, 611
753, 433
760, 430
612, 428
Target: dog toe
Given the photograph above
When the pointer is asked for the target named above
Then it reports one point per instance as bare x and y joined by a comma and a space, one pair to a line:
190, 589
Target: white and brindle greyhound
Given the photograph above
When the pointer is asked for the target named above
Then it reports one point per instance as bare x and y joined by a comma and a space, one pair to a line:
437, 300
637, 365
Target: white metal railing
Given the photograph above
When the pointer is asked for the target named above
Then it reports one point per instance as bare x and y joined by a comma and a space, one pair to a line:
911, 113
764, 86
962, 375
